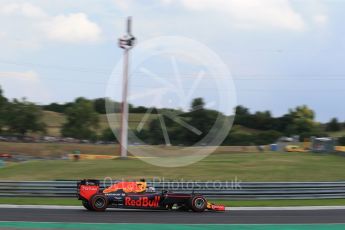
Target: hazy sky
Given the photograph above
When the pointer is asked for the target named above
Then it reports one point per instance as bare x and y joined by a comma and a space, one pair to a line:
281, 53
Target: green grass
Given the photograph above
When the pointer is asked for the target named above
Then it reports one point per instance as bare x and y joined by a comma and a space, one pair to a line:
55, 149
340, 133
229, 203
243, 166
245, 130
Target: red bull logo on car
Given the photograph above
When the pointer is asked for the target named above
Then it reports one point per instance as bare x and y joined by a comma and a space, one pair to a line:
143, 202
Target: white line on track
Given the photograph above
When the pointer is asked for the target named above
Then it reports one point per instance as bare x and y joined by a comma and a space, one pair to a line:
227, 208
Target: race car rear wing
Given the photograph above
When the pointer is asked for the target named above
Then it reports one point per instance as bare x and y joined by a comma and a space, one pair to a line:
87, 188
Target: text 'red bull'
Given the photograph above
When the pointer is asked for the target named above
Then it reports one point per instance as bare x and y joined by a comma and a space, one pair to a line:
143, 202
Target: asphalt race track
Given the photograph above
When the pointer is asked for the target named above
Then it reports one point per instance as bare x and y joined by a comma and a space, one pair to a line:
134, 216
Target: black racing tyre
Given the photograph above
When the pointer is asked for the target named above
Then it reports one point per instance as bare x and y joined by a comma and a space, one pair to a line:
99, 202
87, 205
198, 203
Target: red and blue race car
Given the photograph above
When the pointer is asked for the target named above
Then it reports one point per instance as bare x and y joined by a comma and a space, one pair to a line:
136, 195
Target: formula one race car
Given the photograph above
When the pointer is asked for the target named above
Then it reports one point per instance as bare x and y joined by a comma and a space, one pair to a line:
136, 195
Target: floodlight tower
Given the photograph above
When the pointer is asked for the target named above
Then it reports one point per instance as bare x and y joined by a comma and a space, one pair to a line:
126, 43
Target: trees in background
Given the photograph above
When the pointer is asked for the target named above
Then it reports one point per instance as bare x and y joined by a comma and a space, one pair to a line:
99, 105
3, 110
242, 116
108, 135
239, 138
258, 120
200, 118
341, 141
296, 121
155, 134
20, 117
302, 120
23, 117
262, 120
82, 120
186, 128
259, 138
333, 125
56, 107
203, 120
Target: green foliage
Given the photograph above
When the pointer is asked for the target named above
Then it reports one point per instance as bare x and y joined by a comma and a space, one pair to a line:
139, 109
268, 137
99, 105
115, 107
3, 110
201, 119
197, 103
23, 117
239, 139
244, 139
302, 120
155, 135
242, 111
341, 141
82, 119
333, 125
281, 124
262, 120
298, 120
56, 107
108, 135
259, 120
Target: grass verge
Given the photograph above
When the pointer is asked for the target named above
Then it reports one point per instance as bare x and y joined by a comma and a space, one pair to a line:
226, 167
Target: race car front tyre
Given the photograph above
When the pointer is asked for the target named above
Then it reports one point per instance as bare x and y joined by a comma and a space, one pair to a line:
87, 205
99, 202
198, 204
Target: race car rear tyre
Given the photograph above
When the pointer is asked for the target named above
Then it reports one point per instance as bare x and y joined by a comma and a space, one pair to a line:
198, 204
99, 202
87, 205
